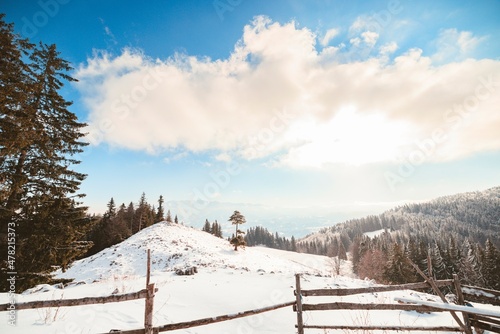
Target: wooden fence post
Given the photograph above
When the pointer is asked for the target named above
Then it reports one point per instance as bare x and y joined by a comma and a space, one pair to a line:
298, 295
440, 294
148, 268
148, 313
460, 300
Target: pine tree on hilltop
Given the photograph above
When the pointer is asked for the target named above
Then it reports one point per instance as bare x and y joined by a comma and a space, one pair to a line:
111, 209
38, 142
160, 212
206, 226
237, 219
216, 229
111, 229
169, 217
144, 215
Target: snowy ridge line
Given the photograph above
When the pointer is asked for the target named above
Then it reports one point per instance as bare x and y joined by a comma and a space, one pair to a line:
449, 307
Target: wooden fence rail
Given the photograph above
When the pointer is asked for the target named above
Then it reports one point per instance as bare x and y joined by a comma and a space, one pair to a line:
387, 328
207, 321
148, 294
384, 288
481, 295
77, 302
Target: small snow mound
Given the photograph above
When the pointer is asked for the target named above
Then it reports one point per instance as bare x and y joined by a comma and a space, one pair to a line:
175, 247
41, 288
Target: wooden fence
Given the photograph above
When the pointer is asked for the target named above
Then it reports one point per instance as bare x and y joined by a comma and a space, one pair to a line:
147, 293
478, 319
471, 318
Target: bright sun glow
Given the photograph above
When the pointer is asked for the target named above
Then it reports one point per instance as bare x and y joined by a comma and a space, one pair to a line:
350, 138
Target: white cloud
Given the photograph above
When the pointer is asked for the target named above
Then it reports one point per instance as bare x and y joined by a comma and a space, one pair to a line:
388, 48
367, 23
175, 157
108, 31
224, 157
356, 41
370, 37
454, 45
329, 35
277, 97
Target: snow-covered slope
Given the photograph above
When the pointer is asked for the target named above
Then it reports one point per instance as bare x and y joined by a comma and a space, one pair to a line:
227, 282
174, 246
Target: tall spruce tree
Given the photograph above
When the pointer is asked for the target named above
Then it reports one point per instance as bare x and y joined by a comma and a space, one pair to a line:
216, 229
206, 227
39, 138
160, 213
398, 270
491, 266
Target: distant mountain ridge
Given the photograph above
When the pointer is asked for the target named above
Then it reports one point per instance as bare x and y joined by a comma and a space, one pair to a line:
288, 221
458, 234
473, 215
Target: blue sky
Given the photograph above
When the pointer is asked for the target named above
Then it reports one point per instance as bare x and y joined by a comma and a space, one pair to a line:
283, 103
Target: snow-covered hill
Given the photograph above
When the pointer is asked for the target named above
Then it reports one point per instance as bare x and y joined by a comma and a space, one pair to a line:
174, 246
227, 282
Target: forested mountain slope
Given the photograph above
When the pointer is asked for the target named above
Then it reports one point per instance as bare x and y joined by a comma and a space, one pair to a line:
460, 232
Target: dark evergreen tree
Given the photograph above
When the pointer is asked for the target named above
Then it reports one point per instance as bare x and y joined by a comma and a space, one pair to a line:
130, 216
439, 268
293, 244
160, 212
111, 229
206, 227
111, 209
122, 212
39, 140
398, 269
144, 215
169, 217
342, 254
491, 266
216, 229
